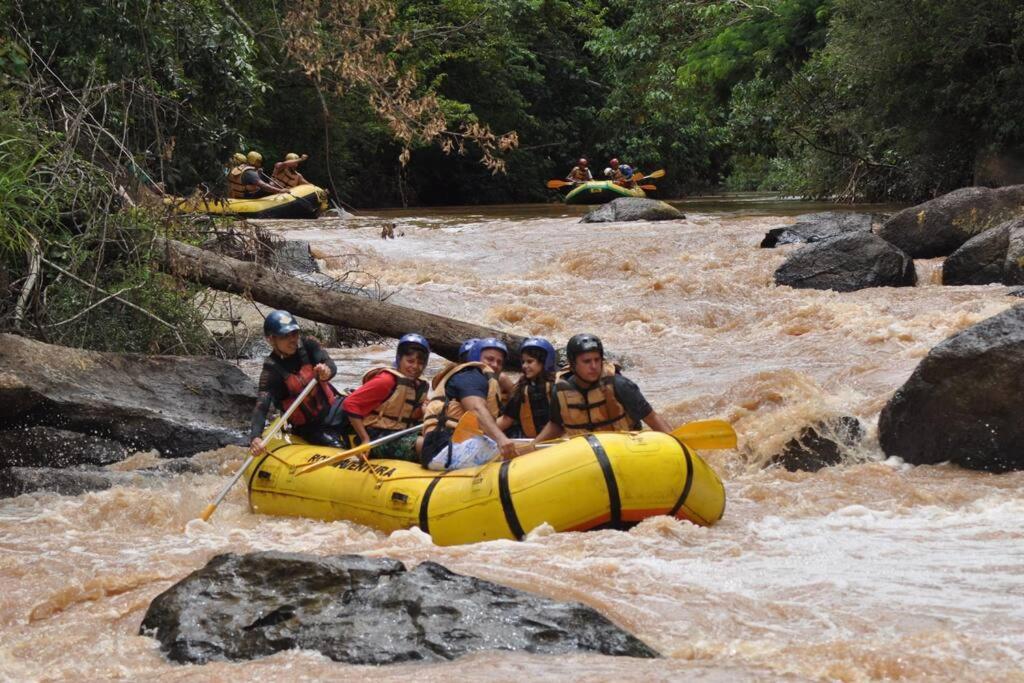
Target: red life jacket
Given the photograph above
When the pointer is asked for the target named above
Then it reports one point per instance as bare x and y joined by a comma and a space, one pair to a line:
316, 404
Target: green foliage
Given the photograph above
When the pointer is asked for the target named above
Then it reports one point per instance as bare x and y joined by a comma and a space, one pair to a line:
63, 249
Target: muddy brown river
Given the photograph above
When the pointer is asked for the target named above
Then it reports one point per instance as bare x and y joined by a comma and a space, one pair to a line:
865, 571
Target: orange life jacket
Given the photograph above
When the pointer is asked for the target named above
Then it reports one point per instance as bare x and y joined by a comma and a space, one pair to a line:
592, 410
402, 406
317, 402
526, 421
441, 410
236, 188
580, 174
287, 176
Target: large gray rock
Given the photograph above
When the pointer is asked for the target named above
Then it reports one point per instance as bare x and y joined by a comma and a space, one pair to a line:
938, 227
815, 227
963, 401
1013, 264
364, 610
177, 405
980, 260
633, 209
846, 263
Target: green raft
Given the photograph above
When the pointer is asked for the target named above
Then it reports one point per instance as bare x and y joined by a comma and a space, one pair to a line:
600, 192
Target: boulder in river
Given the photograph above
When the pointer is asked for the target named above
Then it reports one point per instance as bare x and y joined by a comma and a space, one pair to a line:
963, 401
980, 260
177, 405
633, 209
849, 262
363, 610
938, 227
815, 227
821, 444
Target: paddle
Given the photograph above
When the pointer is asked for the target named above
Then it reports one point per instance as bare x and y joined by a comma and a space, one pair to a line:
648, 187
556, 184
660, 173
361, 448
702, 435
706, 434
209, 510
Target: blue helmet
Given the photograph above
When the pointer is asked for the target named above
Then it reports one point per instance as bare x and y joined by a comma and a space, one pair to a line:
487, 343
279, 323
543, 345
466, 349
411, 339
627, 170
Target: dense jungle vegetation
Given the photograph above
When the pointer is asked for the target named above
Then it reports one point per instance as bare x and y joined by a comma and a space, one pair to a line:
464, 101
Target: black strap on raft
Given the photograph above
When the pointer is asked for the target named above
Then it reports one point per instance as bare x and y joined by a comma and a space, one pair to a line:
614, 504
687, 484
425, 504
505, 493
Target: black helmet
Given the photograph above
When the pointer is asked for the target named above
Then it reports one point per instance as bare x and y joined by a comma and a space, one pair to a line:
581, 343
279, 323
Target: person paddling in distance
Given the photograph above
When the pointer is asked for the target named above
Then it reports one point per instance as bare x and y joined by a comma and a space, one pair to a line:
580, 173
527, 410
593, 397
246, 181
391, 399
294, 360
286, 173
613, 172
462, 387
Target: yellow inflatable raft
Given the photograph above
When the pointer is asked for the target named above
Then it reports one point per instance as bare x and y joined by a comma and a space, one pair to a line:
302, 201
604, 480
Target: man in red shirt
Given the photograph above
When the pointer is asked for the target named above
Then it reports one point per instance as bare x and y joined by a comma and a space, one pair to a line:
390, 400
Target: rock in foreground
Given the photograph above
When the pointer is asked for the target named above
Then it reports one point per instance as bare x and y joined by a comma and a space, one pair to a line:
177, 405
963, 401
938, 227
633, 209
815, 227
364, 610
847, 263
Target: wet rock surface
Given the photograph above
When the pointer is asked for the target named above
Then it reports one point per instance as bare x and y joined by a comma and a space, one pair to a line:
980, 260
633, 209
41, 446
940, 226
364, 610
815, 227
177, 405
821, 445
847, 263
963, 401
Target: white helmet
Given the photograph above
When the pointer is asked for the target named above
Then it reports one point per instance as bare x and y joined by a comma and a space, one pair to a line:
607, 172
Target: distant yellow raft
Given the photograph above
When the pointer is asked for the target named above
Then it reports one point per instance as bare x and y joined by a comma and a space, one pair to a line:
605, 480
302, 201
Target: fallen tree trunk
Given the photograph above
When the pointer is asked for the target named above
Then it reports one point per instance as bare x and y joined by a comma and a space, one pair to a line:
308, 301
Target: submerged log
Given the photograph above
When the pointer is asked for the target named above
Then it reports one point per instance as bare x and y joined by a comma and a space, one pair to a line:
309, 301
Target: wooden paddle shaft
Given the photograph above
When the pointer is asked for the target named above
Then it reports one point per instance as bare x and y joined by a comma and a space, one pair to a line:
208, 511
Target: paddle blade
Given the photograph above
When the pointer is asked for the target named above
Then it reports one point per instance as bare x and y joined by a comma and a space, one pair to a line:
468, 427
208, 512
660, 173
649, 188
707, 434
556, 184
